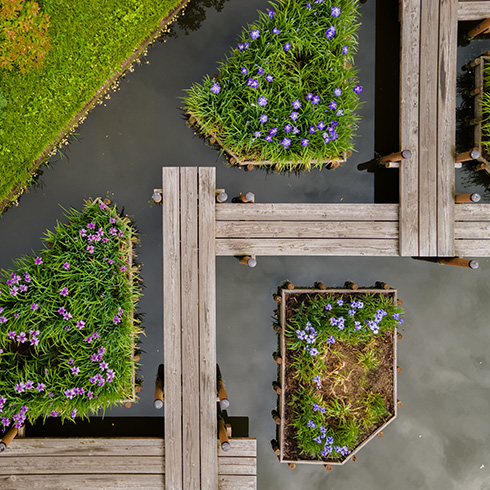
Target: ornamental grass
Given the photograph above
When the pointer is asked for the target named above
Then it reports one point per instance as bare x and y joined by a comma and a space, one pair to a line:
485, 125
337, 344
67, 327
288, 93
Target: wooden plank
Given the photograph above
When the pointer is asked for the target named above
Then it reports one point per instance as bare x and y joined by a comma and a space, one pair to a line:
172, 325
237, 482
472, 248
239, 447
135, 446
472, 230
306, 229
319, 247
207, 327
306, 212
69, 465
409, 125
190, 329
429, 28
472, 212
111, 481
473, 10
237, 466
446, 126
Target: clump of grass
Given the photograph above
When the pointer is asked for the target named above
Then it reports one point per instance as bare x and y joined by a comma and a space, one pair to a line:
67, 327
485, 125
288, 94
327, 422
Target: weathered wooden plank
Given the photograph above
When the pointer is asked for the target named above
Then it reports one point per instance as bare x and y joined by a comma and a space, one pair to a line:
237, 466
207, 327
111, 481
69, 465
237, 482
446, 126
429, 41
134, 446
473, 10
307, 229
409, 126
472, 248
190, 329
472, 230
472, 212
239, 447
306, 212
337, 246
172, 324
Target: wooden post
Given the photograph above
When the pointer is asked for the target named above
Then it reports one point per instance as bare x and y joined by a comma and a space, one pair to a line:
277, 328
328, 467
475, 121
380, 434
399, 302
249, 260
277, 298
223, 435
275, 447
8, 438
212, 140
396, 157
276, 387
481, 27
137, 356
351, 285
333, 164
472, 154
399, 403
382, 285
467, 198
224, 402
159, 397
276, 417
473, 63
221, 195
399, 370
289, 285
277, 357
354, 458
157, 196
320, 285
292, 465
460, 262
399, 336
475, 91
248, 197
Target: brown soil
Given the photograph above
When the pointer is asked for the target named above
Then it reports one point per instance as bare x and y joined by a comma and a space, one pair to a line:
342, 359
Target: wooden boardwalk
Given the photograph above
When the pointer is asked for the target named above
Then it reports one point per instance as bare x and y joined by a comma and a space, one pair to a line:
112, 463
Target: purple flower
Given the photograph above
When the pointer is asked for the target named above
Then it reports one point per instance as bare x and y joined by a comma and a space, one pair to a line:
73, 413
331, 340
296, 104
90, 248
268, 138
83, 232
5, 422
294, 115
80, 324
110, 375
61, 310
263, 118
309, 96
337, 92
67, 316
332, 105
19, 388
69, 394
66, 266
105, 240
260, 71
335, 12
21, 337
270, 13
321, 125
123, 268
23, 288
330, 32
116, 319
90, 394
14, 291
253, 83
111, 261
286, 142
315, 100
311, 424
70, 362
3, 319
34, 341
269, 78
29, 385
340, 302
345, 49
257, 134
288, 128
38, 261
243, 71
75, 370
287, 47
313, 351
255, 34
340, 112
103, 365
54, 413
357, 89
273, 131
40, 387
317, 439
112, 221
11, 335
295, 130
64, 291
101, 351
311, 129
262, 101
357, 325
276, 30
215, 88
34, 306
351, 312
27, 277
91, 225
304, 141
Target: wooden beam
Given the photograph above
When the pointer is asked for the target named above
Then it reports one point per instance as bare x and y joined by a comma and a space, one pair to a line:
472, 248
472, 230
473, 10
472, 212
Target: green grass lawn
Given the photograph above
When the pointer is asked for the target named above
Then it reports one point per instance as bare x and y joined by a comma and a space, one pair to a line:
90, 40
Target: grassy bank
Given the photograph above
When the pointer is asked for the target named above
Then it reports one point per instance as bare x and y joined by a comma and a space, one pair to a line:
90, 42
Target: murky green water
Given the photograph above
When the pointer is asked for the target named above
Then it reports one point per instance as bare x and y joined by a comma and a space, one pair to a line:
440, 439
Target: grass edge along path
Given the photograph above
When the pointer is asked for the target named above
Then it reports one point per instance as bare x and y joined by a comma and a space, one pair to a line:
19, 188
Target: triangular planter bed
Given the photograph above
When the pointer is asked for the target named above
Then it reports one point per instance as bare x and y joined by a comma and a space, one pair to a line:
287, 95
67, 325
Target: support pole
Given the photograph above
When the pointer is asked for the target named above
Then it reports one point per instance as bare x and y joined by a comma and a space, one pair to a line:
472, 154
277, 357
467, 198
223, 435
224, 402
382, 285
275, 447
249, 260
320, 285
396, 157
159, 396
248, 197
460, 262
221, 196
276, 387
8, 438
481, 27
276, 417
351, 285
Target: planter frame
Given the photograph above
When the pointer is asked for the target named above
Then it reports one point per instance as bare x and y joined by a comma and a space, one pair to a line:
282, 397
478, 107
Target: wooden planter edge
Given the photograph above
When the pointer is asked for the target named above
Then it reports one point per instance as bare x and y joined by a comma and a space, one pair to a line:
281, 427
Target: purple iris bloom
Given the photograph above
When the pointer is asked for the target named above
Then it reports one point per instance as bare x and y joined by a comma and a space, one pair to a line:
288, 128
255, 34
38, 261
296, 104
286, 142
345, 50
257, 134
215, 88
253, 83
332, 105
337, 92
331, 340
309, 96
263, 118
269, 78
335, 12
294, 115
262, 101
330, 32
273, 131
260, 71
268, 138
287, 47
276, 30
304, 141
270, 13
243, 71
357, 89
321, 125
311, 129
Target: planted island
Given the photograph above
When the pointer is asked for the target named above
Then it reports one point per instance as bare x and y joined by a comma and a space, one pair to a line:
337, 371
67, 324
287, 95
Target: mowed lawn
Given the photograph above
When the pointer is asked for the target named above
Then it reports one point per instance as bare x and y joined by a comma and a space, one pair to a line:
90, 40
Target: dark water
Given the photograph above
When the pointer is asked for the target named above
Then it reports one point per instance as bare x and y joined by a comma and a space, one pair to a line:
441, 437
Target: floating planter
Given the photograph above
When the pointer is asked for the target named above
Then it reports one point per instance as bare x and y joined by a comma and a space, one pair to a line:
287, 95
337, 381
67, 326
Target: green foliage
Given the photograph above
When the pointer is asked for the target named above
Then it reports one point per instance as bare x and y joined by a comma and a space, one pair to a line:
290, 59
375, 409
24, 39
368, 359
67, 328
485, 125
90, 40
